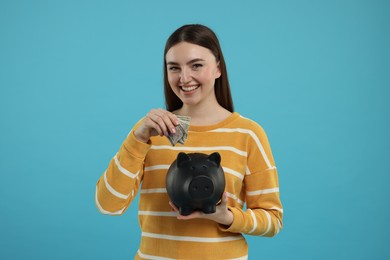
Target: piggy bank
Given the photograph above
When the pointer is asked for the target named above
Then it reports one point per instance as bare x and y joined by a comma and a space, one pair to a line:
195, 181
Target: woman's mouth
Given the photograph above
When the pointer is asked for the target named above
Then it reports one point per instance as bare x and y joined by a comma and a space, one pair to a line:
189, 88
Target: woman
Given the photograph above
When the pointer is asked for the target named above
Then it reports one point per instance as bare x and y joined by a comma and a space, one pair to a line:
195, 85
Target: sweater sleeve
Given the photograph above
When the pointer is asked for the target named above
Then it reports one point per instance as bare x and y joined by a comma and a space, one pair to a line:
263, 214
117, 187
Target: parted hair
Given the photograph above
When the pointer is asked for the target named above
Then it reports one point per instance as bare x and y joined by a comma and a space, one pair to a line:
203, 36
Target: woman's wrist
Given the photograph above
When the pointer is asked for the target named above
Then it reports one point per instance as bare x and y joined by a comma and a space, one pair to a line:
228, 218
141, 137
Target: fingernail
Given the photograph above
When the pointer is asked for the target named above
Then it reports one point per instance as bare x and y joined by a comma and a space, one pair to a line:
173, 130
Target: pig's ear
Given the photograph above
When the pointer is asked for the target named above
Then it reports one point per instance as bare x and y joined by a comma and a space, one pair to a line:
215, 157
182, 158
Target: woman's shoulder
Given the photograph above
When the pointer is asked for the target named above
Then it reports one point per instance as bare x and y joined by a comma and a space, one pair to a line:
248, 123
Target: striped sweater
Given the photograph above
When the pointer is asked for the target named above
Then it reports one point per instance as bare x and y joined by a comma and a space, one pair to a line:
251, 185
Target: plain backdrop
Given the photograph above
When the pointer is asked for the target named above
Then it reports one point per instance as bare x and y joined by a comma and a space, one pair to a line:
76, 75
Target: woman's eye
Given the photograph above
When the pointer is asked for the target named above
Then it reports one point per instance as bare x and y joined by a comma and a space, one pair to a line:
197, 66
173, 69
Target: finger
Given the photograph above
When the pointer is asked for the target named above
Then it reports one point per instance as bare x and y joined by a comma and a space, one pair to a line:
195, 214
170, 120
224, 199
156, 117
174, 118
159, 117
158, 124
151, 124
173, 206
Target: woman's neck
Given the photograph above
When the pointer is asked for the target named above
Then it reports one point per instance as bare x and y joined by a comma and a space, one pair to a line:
204, 115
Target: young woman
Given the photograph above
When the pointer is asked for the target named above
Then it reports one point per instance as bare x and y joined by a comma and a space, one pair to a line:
196, 85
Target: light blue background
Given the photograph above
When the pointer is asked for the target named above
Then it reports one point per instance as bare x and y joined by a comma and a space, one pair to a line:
76, 75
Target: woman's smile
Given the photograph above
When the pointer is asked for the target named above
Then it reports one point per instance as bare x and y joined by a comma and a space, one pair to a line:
189, 89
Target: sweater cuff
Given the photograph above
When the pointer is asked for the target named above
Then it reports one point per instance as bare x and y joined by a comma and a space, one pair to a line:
238, 220
135, 147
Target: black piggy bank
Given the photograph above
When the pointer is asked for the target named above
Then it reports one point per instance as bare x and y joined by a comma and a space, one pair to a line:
195, 181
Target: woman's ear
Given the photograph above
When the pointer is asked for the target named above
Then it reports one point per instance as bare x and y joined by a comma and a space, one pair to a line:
218, 72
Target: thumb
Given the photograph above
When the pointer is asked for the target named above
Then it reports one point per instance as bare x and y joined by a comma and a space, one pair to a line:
224, 199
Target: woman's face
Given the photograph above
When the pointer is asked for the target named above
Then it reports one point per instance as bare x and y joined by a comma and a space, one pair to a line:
192, 71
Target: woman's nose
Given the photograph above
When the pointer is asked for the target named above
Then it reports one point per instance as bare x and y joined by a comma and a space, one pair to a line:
185, 76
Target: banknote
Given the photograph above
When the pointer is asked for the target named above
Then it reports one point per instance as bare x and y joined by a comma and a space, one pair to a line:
184, 122
177, 136
181, 131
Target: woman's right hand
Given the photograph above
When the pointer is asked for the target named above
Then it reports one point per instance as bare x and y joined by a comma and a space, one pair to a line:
156, 122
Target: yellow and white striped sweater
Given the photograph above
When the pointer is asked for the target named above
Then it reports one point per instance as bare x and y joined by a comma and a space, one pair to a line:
251, 181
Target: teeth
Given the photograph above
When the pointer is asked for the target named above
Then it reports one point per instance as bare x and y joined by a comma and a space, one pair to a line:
189, 88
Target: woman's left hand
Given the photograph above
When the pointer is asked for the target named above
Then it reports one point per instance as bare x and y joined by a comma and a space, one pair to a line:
222, 214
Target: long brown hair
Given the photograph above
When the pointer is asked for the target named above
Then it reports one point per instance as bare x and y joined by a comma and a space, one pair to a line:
205, 37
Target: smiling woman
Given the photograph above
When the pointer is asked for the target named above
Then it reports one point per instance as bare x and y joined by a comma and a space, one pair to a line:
197, 87
192, 71
206, 42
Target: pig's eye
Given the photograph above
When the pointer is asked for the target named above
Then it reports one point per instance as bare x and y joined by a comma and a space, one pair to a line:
192, 168
204, 167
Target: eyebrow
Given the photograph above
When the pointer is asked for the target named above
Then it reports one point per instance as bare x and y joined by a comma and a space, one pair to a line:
190, 62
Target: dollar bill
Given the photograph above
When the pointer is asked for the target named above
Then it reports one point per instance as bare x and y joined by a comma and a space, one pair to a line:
181, 131
174, 138
184, 122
